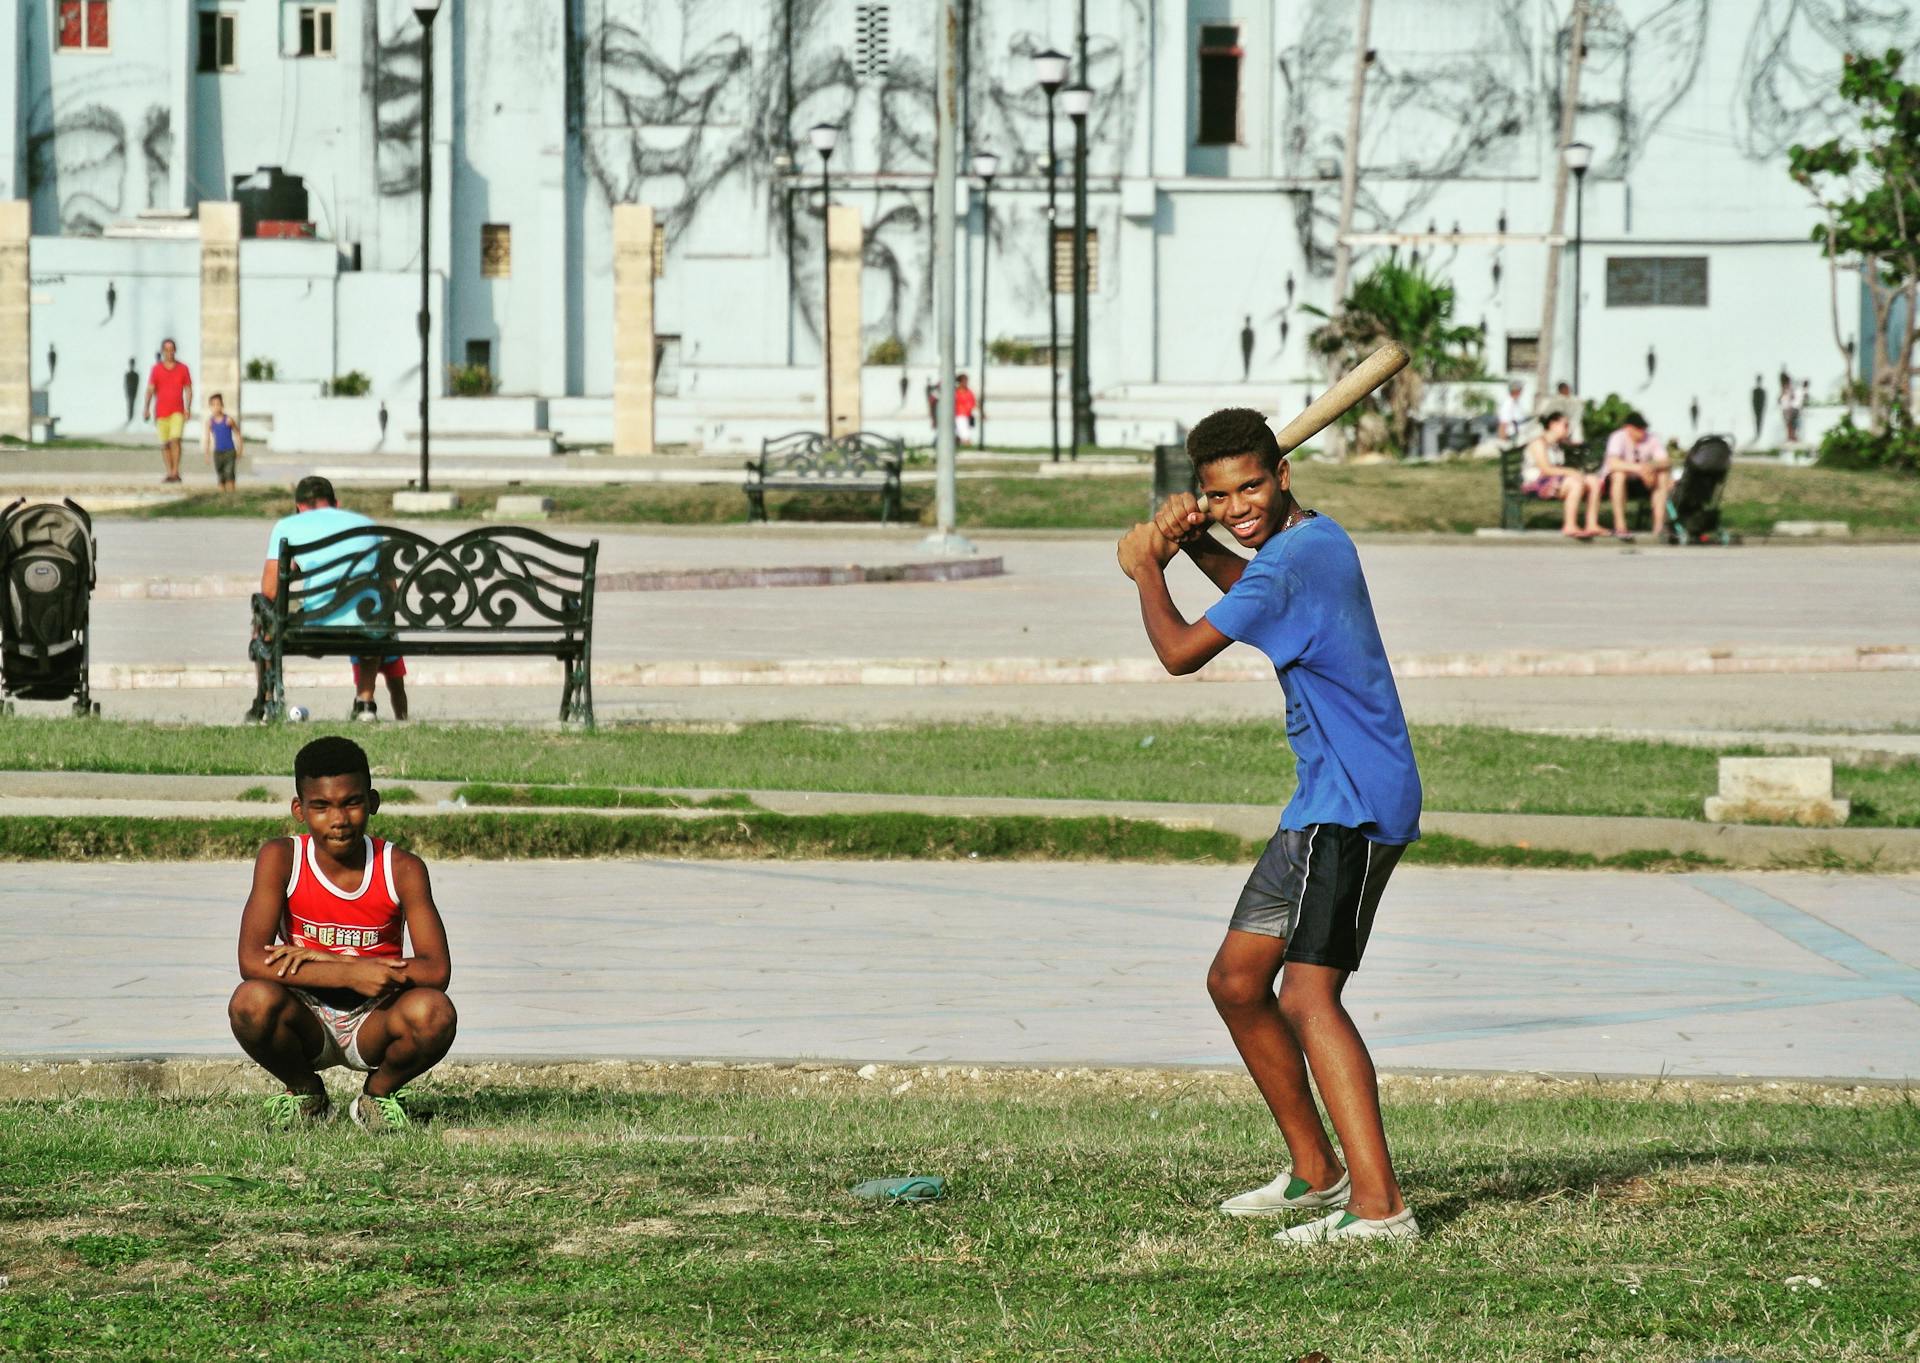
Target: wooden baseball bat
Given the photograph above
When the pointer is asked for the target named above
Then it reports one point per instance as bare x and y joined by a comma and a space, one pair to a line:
1354, 385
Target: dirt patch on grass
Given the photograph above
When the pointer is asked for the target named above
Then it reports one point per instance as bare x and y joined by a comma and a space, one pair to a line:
610, 1239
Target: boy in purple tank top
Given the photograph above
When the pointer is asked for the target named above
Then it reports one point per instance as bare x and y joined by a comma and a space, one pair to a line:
220, 438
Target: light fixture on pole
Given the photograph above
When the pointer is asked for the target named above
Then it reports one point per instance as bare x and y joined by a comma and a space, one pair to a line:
425, 11
825, 136
985, 163
1077, 100
1050, 73
1577, 156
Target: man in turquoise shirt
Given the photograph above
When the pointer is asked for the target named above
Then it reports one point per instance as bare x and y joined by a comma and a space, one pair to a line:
317, 515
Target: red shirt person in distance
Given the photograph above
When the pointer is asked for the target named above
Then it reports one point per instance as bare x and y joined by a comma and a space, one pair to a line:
169, 404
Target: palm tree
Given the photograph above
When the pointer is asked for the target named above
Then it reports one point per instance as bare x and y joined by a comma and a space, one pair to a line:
1403, 303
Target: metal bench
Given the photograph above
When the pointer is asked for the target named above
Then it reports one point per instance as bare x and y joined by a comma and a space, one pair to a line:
503, 590
808, 461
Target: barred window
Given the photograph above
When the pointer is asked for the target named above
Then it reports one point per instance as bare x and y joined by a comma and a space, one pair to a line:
1220, 55
216, 40
1656, 281
659, 250
871, 47
1523, 352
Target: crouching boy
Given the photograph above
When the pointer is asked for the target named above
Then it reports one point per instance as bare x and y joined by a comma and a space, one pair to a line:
325, 978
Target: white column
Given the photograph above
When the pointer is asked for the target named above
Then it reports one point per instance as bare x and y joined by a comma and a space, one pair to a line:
633, 339
16, 340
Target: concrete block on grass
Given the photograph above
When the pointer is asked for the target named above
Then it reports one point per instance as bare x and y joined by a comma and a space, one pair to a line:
1795, 790
521, 508
1812, 529
417, 502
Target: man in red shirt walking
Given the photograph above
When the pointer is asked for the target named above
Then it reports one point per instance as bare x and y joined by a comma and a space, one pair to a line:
169, 404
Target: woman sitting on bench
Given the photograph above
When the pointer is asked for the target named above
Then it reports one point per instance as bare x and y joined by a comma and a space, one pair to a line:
1542, 475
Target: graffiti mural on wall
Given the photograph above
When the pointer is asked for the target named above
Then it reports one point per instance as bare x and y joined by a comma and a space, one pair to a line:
93, 160
1787, 75
1642, 59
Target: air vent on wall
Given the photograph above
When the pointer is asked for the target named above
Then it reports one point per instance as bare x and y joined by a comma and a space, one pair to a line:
870, 45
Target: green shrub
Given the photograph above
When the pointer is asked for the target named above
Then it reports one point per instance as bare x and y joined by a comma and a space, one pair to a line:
887, 350
470, 380
1006, 350
1895, 450
261, 369
352, 384
1602, 419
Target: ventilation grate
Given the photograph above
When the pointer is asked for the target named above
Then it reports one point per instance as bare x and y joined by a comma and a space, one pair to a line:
870, 44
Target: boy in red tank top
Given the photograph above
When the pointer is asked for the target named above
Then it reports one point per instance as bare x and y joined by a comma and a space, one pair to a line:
325, 978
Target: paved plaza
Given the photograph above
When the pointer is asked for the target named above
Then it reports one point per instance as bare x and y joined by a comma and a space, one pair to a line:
1753, 974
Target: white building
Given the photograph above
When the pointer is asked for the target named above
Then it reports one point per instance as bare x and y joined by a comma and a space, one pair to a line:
1216, 141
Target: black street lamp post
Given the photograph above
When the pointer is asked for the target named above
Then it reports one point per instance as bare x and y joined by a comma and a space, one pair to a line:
1050, 73
985, 163
1577, 156
824, 137
426, 11
1077, 100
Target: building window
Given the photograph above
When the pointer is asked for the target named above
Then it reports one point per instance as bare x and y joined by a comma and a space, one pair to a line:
1523, 352
1063, 260
82, 25
216, 40
1219, 85
480, 355
496, 251
1656, 281
659, 250
316, 30
870, 44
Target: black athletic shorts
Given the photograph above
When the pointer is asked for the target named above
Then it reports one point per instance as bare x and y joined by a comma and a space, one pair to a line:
1318, 887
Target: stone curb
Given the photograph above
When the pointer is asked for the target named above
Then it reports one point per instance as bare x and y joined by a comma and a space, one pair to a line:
1745, 846
238, 586
1034, 671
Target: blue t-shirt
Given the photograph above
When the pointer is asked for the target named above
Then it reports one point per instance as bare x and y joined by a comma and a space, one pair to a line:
323, 567
1303, 602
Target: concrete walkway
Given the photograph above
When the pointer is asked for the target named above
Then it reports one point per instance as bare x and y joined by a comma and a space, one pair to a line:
1753, 974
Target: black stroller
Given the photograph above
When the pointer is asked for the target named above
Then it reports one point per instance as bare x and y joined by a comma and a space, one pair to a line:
1693, 503
47, 573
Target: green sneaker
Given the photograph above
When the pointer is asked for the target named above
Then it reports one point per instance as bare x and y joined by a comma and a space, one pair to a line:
383, 1113
292, 1110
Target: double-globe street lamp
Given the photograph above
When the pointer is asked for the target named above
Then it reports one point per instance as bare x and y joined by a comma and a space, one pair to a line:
826, 136
1050, 73
425, 11
1077, 100
1577, 156
985, 163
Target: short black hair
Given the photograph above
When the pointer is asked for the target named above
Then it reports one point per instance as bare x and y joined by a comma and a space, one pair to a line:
330, 756
1636, 420
1230, 432
313, 488
215, 397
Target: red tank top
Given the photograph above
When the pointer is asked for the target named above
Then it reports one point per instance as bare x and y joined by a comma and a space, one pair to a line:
320, 915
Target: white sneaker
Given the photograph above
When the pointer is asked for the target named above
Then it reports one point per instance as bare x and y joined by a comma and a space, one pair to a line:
1347, 1226
1286, 1194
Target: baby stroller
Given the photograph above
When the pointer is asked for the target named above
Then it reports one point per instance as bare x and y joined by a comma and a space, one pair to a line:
1693, 503
47, 574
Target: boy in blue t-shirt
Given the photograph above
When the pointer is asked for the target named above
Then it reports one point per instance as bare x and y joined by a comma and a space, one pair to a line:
1310, 901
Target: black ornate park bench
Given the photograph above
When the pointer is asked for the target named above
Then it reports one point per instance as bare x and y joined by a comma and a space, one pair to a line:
1516, 506
502, 590
857, 462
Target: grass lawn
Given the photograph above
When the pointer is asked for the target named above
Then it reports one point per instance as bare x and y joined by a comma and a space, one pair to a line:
1464, 769
615, 1212
1441, 498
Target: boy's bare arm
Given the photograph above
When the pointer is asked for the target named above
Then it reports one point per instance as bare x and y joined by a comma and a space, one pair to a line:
1181, 520
430, 965
262, 959
1181, 647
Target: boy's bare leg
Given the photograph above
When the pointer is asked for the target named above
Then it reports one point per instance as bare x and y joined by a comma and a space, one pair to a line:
397, 697
274, 1028
1241, 983
366, 676
406, 1038
1311, 1008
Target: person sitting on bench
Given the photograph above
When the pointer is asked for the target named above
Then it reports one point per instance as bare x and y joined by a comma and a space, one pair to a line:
1545, 476
1635, 457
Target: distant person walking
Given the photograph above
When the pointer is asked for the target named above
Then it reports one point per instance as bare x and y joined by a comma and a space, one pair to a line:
1790, 408
220, 437
169, 403
1759, 406
966, 405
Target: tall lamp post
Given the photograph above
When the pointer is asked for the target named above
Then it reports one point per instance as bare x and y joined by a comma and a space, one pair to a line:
425, 11
1077, 100
1050, 73
825, 136
1577, 156
985, 163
